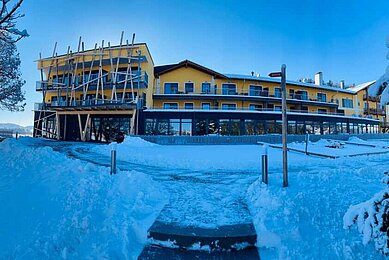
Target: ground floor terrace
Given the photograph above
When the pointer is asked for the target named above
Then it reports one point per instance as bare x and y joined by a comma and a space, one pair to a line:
105, 123
200, 122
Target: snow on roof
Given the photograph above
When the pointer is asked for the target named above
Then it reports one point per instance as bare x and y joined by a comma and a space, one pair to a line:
291, 82
362, 86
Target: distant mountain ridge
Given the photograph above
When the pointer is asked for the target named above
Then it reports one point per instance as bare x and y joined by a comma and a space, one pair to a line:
16, 127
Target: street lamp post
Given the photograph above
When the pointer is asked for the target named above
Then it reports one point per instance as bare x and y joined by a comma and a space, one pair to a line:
282, 74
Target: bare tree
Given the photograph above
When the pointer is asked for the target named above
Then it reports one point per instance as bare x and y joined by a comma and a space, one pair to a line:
9, 14
11, 94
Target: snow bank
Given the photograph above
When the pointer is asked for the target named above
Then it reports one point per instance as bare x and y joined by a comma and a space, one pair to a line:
305, 220
193, 157
131, 141
372, 219
57, 207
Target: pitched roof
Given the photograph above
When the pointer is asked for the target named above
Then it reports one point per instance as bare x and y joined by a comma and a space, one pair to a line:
159, 70
362, 86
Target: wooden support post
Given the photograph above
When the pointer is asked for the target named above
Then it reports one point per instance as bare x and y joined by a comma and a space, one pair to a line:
73, 93
80, 126
57, 119
117, 66
90, 72
68, 54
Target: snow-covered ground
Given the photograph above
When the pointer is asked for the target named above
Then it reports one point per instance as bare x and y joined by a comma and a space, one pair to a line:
203, 186
56, 207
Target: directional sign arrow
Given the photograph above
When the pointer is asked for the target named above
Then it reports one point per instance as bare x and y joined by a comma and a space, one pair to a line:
275, 74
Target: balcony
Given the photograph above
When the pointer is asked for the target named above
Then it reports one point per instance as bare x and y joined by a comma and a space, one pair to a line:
217, 108
370, 98
374, 111
140, 78
89, 104
244, 94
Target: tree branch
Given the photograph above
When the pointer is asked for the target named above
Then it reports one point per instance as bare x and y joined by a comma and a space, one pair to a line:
10, 13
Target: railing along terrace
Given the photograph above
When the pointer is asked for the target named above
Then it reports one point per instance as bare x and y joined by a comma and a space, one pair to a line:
244, 109
107, 81
370, 98
374, 111
247, 93
88, 103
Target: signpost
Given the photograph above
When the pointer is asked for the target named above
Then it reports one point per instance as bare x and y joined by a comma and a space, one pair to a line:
282, 74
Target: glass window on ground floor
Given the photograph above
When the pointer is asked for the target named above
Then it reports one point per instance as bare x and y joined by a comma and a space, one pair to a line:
174, 127
235, 127
333, 128
326, 128
278, 127
168, 126
309, 127
249, 126
213, 125
270, 127
201, 126
224, 126
300, 128
186, 126
292, 127
260, 127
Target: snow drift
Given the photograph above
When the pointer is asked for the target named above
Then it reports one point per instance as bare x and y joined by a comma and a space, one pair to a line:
57, 207
372, 219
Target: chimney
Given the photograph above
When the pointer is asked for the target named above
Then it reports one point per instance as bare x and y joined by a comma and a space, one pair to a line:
319, 78
342, 84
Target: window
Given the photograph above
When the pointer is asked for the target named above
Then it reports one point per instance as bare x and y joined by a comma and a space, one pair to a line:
277, 92
189, 87
302, 95
265, 92
171, 88
170, 106
206, 106
174, 127
255, 90
186, 127
321, 97
277, 108
188, 105
291, 93
229, 106
229, 89
347, 103
255, 107
322, 111
206, 88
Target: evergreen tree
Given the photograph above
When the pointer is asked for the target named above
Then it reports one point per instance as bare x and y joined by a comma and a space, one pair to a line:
11, 94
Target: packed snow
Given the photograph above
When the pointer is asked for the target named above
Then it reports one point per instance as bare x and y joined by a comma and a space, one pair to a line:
205, 186
53, 206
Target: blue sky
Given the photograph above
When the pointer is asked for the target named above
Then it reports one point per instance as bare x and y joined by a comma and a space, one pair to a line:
344, 39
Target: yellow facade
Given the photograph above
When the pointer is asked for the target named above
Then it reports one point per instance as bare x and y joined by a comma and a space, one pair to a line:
97, 83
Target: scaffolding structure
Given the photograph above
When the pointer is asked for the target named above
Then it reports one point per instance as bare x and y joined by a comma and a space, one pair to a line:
77, 77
